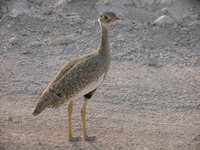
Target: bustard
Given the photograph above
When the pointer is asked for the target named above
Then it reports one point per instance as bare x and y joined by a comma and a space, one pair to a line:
79, 77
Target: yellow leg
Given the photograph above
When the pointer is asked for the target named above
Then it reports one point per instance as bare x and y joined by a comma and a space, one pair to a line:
83, 115
70, 111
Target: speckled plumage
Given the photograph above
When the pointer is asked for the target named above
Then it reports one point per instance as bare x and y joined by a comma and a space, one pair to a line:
78, 76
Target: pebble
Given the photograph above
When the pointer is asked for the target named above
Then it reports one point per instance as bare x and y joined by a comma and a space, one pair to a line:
197, 138
164, 11
163, 21
60, 3
64, 40
106, 3
37, 2
46, 30
76, 18
47, 11
152, 61
59, 41
195, 23
35, 44
90, 24
166, 2
13, 40
10, 118
129, 3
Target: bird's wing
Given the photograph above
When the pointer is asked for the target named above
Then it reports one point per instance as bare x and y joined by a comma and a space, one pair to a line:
66, 67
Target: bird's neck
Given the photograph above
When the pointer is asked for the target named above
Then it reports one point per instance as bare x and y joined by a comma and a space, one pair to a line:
104, 46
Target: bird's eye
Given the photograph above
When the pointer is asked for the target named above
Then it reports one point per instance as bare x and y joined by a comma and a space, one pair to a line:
105, 17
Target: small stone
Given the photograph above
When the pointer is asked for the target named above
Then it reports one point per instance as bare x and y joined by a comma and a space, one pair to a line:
60, 3
35, 44
195, 23
185, 29
76, 18
70, 1
106, 3
163, 21
47, 41
45, 29
37, 2
13, 40
64, 40
59, 41
152, 61
24, 34
128, 3
167, 2
197, 138
26, 52
10, 118
198, 16
90, 23
47, 11
164, 11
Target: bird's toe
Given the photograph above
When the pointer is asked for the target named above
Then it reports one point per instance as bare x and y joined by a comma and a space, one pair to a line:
90, 138
75, 139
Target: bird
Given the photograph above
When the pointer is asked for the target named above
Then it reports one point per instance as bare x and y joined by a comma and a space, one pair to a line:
80, 77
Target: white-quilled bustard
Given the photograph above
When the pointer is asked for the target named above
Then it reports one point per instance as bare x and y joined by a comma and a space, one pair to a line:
80, 77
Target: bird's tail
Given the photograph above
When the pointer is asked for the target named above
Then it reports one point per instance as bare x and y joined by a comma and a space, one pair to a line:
40, 106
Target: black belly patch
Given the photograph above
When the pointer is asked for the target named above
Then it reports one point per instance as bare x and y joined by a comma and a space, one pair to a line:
58, 94
89, 95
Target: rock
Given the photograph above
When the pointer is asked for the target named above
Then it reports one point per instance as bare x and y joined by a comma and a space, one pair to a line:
10, 118
140, 4
35, 44
59, 41
36, 2
197, 138
152, 61
129, 3
70, 1
164, 11
167, 2
46, 30
76, 18
47, 11
24, 34
163, 21
26, 52
195, 23
121, 38
17, 8
106, 3
60, 3
90, 23
198, 16
3, 10
14, 40
64, 40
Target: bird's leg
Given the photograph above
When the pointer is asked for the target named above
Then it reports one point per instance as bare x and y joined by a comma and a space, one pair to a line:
83, 115
70, 111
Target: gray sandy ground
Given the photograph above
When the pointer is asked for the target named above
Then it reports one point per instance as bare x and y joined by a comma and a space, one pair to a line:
150, 99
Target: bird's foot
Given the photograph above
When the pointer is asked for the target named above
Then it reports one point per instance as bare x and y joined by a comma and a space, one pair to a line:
74, 139
90, 138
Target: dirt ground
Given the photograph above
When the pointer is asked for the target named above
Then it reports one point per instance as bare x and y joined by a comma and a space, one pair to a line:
150, 99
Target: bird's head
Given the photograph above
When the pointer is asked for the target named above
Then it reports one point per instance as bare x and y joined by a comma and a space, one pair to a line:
107, 18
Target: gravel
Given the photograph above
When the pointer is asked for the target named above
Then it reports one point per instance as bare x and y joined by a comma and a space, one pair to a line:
150, 99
